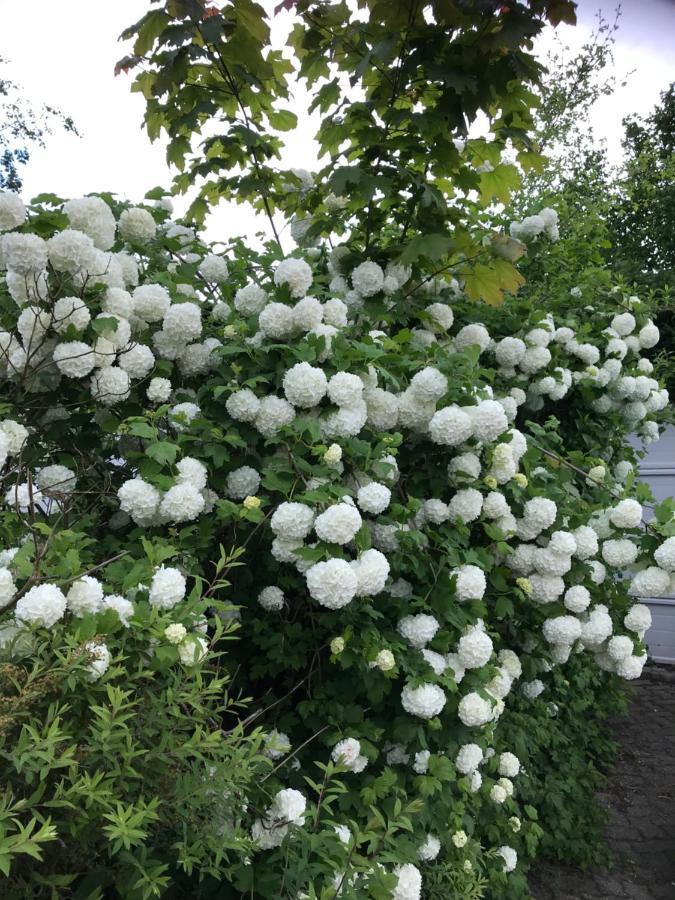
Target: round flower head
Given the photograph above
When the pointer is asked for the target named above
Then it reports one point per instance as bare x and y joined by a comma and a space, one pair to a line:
619, 553
243, 482
85, 596
509, 765
193, 650
470, 583
123, 607
296, 274
638, 619
472, 335
338, 524
626, 514
110, 385
466, 505
292, 521
332, 583
474, 649
305, 385
243, 405
181, 503
93, 216
70, 251
24, 254
308, 314
167, 588
430, 849
374, 498
99, 659
469, 757
70, 311
42, 605
577, 599
271, 598
510, 857
429, 384
418, 630
151, 302
409, 884
665, 555
12, 211
348, 754
650, 582
140, 500
371, 570
450, 426
137, 225
74, 359
424, 702
250, 300
276, 321
474, 711
273, 414
213, 268
345, 389
367, 279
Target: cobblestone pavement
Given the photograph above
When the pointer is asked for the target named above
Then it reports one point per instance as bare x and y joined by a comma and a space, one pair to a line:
640, 797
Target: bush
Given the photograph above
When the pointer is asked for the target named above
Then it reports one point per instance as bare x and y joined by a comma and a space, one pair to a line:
415, 510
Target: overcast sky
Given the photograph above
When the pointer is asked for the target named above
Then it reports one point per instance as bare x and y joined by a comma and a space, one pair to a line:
68, 60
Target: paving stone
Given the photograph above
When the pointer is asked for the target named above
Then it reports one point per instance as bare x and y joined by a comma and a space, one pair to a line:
640, 800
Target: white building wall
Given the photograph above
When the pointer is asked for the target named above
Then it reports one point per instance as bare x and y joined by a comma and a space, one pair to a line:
658, 469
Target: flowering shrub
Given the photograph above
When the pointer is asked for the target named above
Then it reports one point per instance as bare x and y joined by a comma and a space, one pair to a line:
430, 505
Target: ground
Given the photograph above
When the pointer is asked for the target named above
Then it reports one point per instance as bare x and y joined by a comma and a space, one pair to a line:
640, 799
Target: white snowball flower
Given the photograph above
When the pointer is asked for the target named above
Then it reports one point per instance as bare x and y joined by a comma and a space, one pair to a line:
273, 414
418, 630
307, 314
474, 649
136, 224
7, 586
425, 701
467, 464
509, 765
151, 302
620, 647
271, 598
183, 322
137, 361
70, 311
473, 335
468, 758
367, 279
159, 390
510, 857
333, 583
650, 582
450, 426
430, 849
372, 571
110, 385
532, 689
167, 588
619, 553
25, 254
243, 405
292, 521
474, 711
99, 659
373, 498
193, 650
638, 619
42, 605
74, 359
409, 884
626, 514
510, 351
181, 503
338, 524
276, 321
213, 268
250, 300
587, 542
631, 667
665, 555
345, 389
488, 420
466, 505
470, 582
296, 274
123, 607
562, 630
429, 384
70, 251
305, 385
577, 599
243, 482
85, 596
649, 336
347, 753
12, 211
